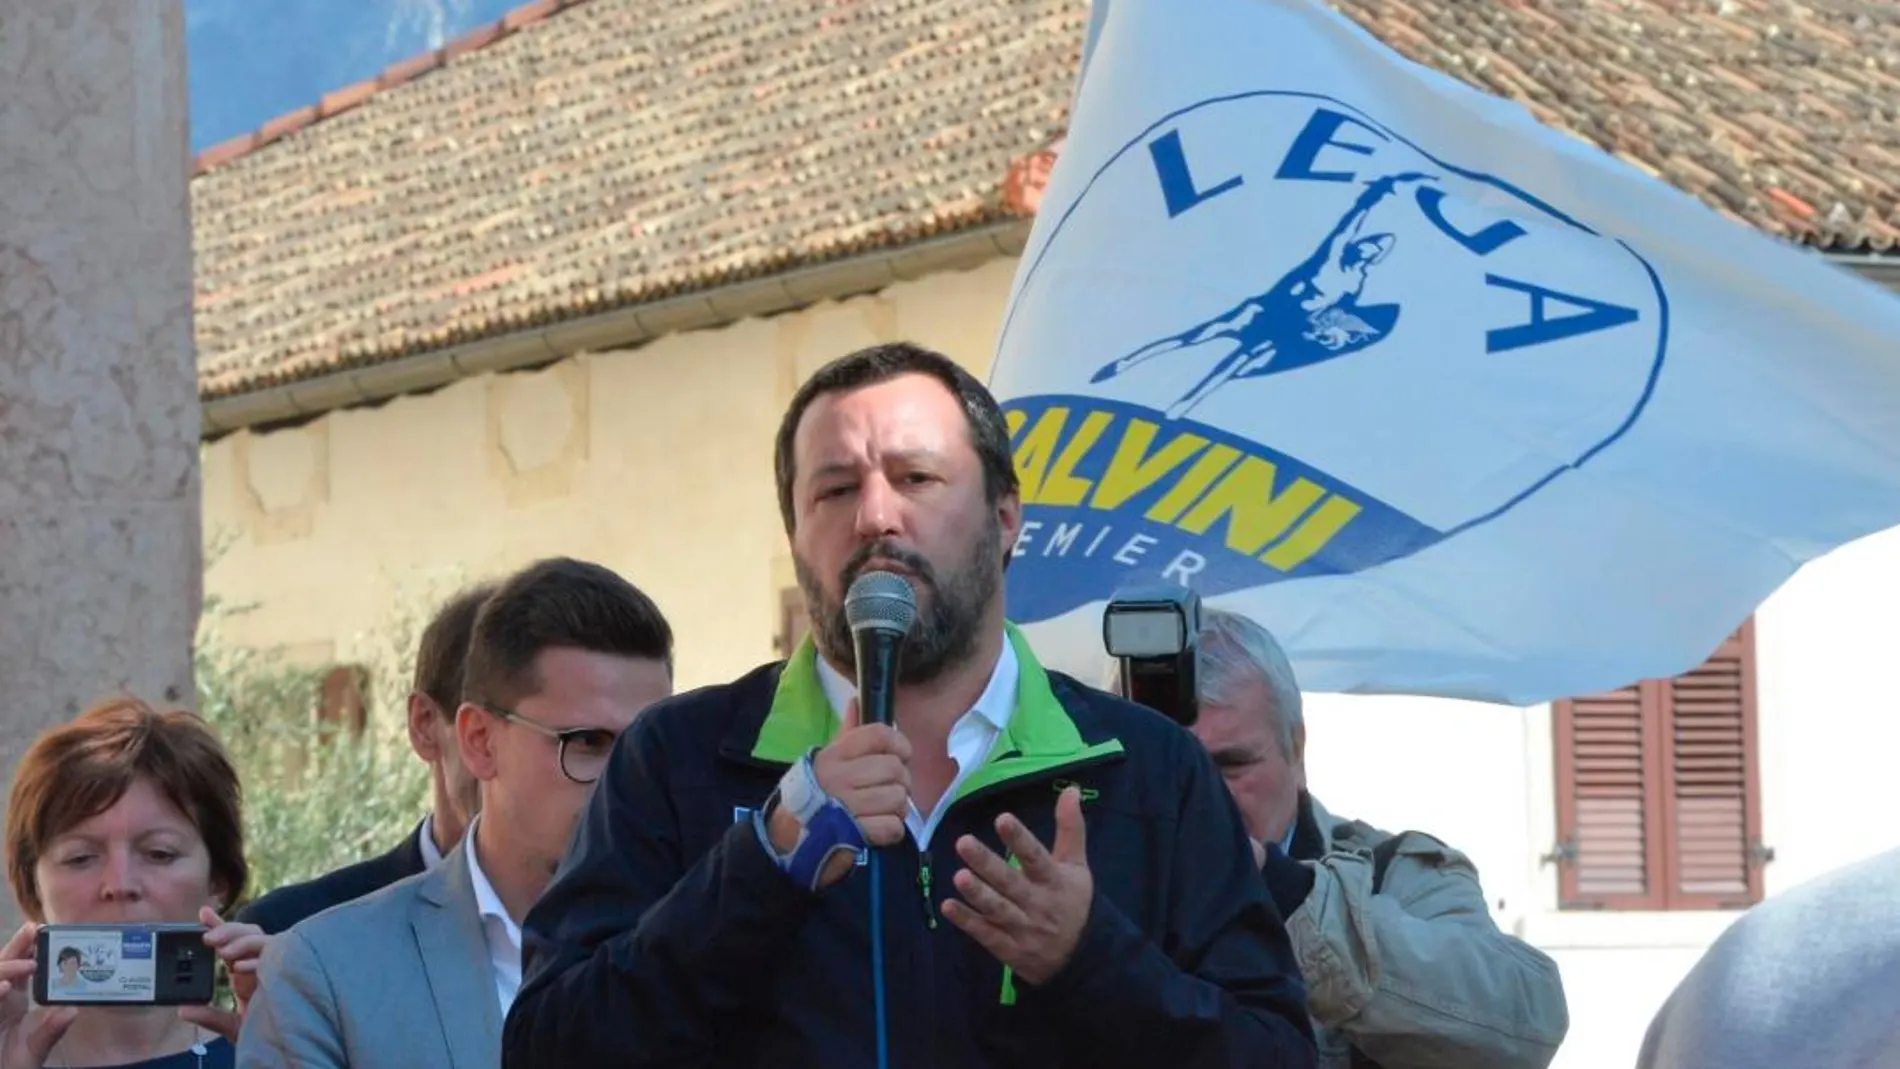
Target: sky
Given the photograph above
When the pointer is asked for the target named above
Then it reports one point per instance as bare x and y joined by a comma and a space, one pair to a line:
253, 60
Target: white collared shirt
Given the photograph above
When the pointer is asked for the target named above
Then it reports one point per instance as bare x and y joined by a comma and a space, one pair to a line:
425, 838
498, 929
970, 737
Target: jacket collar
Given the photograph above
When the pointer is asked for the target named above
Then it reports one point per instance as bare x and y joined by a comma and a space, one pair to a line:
487, 900
455, 957
1038, 736
994, 705
448, 885
424, 839
1312, 830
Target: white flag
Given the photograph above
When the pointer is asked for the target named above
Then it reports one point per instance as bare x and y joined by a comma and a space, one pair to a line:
1453, 403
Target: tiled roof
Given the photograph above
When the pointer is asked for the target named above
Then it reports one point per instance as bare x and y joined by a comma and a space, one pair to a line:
612, 153
583, 156
1785, 115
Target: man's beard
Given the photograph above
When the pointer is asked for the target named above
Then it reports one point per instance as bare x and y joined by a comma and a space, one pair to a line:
945, 633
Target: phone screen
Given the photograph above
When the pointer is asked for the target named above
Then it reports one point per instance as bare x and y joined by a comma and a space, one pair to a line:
123, 964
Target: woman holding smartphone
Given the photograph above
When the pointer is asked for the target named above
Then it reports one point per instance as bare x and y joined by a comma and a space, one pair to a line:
125, 815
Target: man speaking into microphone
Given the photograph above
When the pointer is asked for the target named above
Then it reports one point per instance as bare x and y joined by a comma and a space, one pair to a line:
1059, 876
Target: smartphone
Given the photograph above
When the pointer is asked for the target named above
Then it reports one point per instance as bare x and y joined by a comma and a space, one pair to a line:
124, 964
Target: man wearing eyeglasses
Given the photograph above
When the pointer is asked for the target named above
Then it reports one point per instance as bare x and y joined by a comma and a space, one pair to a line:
421, 974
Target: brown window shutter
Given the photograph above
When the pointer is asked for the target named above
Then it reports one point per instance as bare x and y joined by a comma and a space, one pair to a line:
342, 698
1658, 790
1711, 783
793, 623
1608, 754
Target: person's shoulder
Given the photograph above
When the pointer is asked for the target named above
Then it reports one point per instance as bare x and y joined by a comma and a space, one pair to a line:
705, 715
364, 917
1848, 910
1157, 753
285, 906
1350, 833
1812, 952
1859, 887
1100, 715
1386, 846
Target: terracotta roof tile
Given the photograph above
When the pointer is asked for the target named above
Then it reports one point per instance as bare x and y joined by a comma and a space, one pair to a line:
347, 97
581, 155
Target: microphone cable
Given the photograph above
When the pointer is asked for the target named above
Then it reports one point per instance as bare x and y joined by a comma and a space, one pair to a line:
877, 959
880, 608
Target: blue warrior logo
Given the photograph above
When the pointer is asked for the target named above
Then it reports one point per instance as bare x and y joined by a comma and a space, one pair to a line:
1311, 315
1530, 344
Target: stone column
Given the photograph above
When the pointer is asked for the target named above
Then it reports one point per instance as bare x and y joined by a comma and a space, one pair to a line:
100, 555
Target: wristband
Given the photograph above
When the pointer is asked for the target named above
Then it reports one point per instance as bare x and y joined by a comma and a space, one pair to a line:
831, 832
826, 827
799, 792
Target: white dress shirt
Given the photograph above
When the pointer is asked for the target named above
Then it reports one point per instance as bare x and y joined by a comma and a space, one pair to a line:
970, 737
501, 932
425, 838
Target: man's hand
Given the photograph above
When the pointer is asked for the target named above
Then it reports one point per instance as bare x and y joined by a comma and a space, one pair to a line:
1030, 919
867, 770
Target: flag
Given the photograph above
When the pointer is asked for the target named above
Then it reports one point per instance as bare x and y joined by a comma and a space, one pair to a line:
1452, 402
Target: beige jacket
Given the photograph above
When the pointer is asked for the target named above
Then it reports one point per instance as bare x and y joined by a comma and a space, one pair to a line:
1418, 977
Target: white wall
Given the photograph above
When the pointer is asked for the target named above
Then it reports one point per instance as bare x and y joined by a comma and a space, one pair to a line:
1830, 699
1480, 777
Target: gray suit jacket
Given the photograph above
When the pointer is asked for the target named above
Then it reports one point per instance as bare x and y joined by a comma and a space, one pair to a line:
398, 979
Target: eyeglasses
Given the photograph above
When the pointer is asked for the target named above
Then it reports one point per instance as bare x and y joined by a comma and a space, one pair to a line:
582, 751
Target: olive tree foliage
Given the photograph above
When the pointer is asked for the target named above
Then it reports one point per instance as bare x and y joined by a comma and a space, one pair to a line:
319, 793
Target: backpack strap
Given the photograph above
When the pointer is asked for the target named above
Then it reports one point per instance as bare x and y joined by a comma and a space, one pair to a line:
1382, 856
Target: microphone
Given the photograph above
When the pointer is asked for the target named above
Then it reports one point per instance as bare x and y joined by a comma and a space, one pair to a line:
880, 608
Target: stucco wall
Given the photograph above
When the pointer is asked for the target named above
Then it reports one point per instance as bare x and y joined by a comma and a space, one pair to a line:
657, 462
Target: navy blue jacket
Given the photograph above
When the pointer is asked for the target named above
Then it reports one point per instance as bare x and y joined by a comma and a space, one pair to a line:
284, 907
669, 938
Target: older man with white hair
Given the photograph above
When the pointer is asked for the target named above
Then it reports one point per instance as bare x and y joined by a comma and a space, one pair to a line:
1404, 966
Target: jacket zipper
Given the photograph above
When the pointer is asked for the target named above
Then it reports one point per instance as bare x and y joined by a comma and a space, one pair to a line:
924, 877
923, 884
